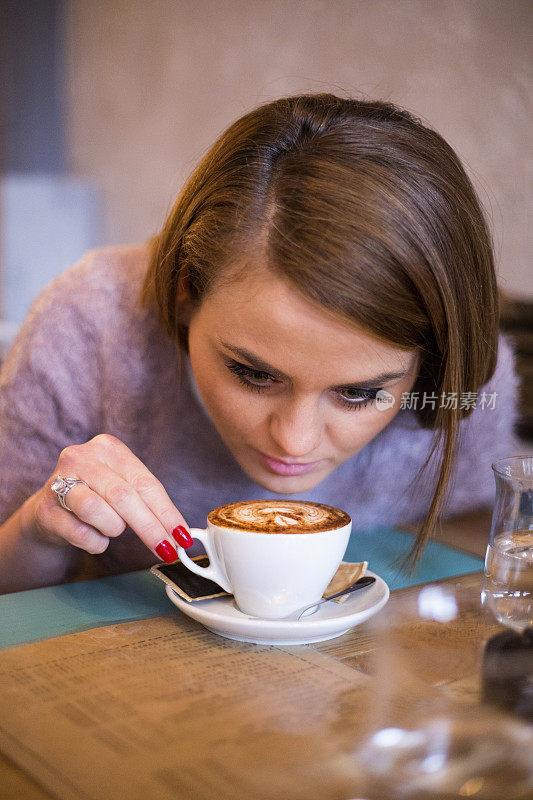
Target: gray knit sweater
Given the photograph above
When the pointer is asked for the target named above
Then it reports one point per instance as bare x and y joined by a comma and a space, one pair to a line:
89, 360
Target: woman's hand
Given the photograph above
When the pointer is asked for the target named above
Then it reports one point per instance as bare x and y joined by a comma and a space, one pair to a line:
120, 491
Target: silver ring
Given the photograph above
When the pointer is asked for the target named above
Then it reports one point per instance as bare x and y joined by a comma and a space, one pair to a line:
62, 486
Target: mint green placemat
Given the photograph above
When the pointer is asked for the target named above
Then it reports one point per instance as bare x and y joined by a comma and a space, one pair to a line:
385, 547
73, 607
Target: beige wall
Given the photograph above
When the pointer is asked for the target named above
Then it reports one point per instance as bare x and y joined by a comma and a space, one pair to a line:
153, 82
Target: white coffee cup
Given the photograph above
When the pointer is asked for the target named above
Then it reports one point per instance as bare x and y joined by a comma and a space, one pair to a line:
270, 574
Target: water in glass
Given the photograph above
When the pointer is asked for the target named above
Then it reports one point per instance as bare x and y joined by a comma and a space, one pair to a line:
508, 586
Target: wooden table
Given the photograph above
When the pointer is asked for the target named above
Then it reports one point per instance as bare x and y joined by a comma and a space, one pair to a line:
353, 650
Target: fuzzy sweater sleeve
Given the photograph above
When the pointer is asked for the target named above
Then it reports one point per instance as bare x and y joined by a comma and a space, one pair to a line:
48, 387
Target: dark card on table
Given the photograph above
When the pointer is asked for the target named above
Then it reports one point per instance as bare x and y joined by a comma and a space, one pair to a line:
187, 584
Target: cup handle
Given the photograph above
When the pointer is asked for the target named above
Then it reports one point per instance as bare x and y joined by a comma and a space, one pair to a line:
213, 571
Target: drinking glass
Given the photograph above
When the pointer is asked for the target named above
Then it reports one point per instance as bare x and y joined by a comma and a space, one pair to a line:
508, 575
430, 731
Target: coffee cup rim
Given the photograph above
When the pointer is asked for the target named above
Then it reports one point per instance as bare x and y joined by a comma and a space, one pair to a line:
276, 533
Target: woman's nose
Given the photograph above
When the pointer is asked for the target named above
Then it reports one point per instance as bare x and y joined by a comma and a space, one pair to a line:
296, 428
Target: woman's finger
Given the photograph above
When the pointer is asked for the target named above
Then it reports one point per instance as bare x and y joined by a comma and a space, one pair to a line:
120, 496
58, 524
89, 507
131, 469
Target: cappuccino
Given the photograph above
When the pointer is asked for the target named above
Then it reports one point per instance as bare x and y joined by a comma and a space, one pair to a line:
272, 576
279, 516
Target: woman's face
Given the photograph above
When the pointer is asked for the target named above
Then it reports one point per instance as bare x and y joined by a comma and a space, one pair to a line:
284, 381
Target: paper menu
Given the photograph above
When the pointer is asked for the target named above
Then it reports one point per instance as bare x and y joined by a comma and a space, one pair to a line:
162, 708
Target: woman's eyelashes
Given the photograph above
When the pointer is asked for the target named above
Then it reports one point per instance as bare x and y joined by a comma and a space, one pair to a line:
360, 398
257, 380
253, 379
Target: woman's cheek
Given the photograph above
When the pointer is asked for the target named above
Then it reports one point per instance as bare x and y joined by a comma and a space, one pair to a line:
366, 427
229, 405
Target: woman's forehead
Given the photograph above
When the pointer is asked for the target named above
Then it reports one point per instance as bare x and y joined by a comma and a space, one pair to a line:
265, 315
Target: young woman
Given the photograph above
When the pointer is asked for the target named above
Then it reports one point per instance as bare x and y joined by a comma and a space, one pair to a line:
318, 318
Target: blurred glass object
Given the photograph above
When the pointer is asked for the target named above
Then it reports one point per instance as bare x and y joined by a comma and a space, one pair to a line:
508, 581
429, 732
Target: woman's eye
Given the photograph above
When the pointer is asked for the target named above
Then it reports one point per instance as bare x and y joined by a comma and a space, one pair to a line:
354, 398
257, 380
254, 379
259, 377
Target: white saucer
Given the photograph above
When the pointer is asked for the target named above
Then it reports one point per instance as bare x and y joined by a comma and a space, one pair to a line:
220, 615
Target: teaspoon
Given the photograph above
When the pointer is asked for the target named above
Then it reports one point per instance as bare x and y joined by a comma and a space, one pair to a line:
362, 583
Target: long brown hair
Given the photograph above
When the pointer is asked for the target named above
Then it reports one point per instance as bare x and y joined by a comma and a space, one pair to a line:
364, 210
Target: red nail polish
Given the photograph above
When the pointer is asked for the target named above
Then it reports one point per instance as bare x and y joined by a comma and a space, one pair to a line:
182, 536
165, 551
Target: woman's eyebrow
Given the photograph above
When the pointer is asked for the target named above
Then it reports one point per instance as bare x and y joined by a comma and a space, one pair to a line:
259, 364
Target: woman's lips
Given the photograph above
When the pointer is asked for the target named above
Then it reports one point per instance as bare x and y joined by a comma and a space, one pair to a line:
283, 468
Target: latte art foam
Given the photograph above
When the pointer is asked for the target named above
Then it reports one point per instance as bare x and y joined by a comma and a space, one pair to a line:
279, 516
